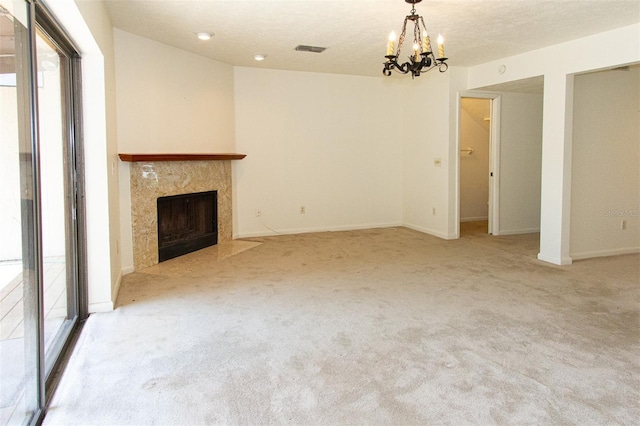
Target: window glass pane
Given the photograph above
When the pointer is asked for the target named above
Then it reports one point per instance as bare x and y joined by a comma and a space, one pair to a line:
19, 342
56, 189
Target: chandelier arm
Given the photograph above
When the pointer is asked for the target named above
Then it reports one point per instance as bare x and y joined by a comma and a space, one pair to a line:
392, 64
403, 68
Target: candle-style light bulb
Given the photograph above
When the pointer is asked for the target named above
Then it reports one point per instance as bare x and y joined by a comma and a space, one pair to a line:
426, 43
391, 44
440, 46
416, 52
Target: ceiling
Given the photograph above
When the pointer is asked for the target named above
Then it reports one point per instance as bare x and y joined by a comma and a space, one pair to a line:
355, 31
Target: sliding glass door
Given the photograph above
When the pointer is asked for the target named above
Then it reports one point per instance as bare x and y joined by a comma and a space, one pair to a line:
40, 280
57, 195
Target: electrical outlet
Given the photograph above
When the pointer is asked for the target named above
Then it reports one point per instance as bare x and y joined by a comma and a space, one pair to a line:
623, 225
303, 210
258, 212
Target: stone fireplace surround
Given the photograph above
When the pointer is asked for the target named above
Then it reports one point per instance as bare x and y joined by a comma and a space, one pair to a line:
159, 175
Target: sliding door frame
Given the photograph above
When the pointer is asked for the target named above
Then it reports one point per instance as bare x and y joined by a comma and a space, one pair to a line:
43, 372
73, 106
72, 134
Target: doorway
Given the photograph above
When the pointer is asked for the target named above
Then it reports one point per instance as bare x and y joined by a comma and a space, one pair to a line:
477, 174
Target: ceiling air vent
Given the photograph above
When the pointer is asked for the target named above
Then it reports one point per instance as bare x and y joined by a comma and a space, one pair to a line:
314, 49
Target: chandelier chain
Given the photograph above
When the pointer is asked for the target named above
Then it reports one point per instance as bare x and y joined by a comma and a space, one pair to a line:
402, 35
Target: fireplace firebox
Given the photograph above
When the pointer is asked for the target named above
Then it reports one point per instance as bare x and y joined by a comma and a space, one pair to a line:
186, 223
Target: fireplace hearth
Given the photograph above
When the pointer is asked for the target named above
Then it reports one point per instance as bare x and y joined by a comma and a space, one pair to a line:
186, 223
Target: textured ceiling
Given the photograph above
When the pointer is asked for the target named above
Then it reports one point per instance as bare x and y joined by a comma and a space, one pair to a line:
355, 31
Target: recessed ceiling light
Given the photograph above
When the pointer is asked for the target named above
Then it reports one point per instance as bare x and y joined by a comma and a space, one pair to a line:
259, 57
204, 36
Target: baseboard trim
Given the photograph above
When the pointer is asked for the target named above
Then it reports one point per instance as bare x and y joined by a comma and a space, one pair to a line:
430, 232
100, 307
473, 219
127, 270
116, 289
273, 232
605, 253
561, 261
518, 231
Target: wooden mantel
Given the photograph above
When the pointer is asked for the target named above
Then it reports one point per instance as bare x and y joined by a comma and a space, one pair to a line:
180, 157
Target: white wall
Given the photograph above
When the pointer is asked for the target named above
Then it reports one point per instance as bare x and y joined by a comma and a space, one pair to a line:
606, 164
426, 139
520, 163
169, 101
331, 143
474, 167
102, 164
328, 142
558, 64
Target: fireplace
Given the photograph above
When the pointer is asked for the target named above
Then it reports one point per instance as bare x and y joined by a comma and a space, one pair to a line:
186, 223
154, 176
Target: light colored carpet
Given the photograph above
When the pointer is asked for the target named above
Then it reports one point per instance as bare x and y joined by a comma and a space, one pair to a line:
383, 326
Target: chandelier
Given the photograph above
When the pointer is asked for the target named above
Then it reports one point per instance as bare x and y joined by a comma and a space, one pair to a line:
422, 59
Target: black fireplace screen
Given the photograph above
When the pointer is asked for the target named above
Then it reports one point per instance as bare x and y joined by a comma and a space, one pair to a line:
186, 223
